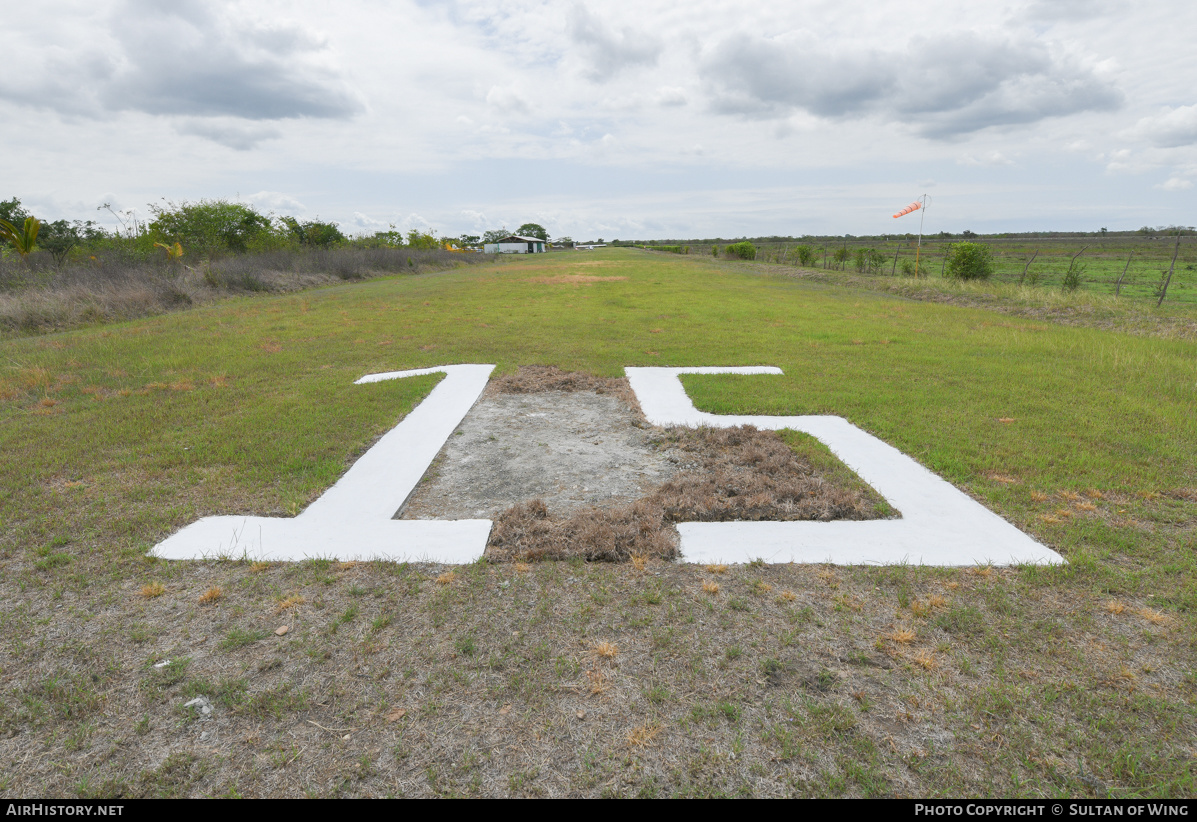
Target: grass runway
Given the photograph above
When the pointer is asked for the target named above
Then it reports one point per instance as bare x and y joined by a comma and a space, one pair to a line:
568, 678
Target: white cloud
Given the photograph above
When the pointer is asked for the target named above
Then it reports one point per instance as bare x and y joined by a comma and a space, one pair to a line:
671, 96
992, 158
1171, 128
1176, 184
276, 201
507, 101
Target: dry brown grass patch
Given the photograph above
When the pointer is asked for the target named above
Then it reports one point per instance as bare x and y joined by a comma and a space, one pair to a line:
532, 379
446, 578
923, 608
525, 532
902, 636
716, 569
598, 681
645, 735
289, 602
152, 589
925, 660
259, 567
1115, 607
639, 562
211, 596
1154, 617
710, 587
788, 596
606, 650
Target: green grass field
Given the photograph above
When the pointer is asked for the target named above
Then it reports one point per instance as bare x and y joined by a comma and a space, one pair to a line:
1140, 261
782, 681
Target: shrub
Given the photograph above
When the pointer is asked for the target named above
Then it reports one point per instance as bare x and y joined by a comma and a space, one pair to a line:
806, 255
1072, 277
969, 261
744, 250
59, 237
869, 260
314, 232
212, 226
714, 251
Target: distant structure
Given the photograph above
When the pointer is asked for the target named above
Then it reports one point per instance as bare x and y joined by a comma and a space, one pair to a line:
515, 244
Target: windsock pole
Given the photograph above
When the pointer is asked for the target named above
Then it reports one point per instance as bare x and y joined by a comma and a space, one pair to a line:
918, 205
919, 247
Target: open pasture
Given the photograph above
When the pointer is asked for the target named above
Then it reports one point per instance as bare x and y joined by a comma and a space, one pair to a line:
568, 678
1140, 261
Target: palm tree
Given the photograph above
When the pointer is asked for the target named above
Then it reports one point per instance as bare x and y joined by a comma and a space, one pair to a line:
22, 239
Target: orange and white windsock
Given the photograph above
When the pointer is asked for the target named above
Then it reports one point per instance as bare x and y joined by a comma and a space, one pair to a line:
915, 206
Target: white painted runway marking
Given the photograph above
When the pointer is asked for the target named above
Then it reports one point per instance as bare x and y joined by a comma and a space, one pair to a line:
940, 524
352, 520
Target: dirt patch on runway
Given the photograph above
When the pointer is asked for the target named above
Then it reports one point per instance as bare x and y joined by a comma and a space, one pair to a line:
567, 466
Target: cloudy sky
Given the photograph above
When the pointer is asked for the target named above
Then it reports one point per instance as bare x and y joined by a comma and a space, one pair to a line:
634, 120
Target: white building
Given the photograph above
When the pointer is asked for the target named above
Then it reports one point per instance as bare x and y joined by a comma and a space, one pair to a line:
515, 244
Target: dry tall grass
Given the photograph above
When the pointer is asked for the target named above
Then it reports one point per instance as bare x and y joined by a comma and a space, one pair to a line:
37, 296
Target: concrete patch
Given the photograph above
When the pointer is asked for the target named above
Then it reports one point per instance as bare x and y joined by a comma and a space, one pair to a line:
940, 525
570, 449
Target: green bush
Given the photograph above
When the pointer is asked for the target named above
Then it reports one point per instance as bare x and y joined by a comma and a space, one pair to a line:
714, 251
213, 226
1072, 277
314, 232
969, 261
868, 260
806, 255
419, 240
744, 250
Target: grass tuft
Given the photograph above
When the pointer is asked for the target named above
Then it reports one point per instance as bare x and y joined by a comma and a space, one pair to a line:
606, 650
152, 589
211, 596
644, 736
289, 602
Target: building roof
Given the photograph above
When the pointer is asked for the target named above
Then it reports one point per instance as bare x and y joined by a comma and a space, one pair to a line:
517, 238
